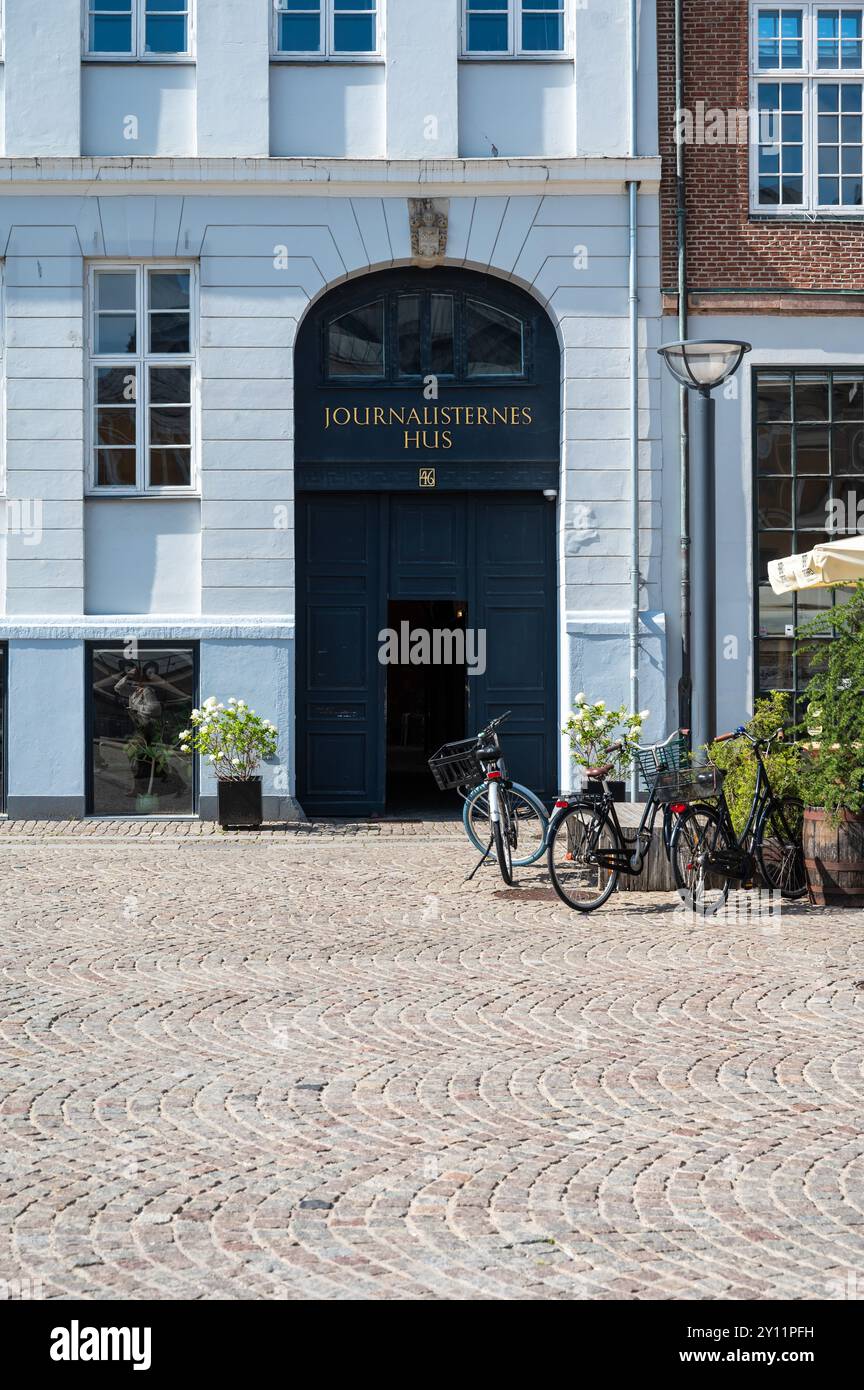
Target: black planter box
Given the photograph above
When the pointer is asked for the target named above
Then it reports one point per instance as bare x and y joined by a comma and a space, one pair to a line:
240, 804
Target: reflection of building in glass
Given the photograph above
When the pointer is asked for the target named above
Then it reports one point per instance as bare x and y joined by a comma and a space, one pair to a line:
139, 708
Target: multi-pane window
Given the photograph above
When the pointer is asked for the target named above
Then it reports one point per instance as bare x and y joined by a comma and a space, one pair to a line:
142, 378
807, 68
809, 481
138, 28
326, 28
406, 336
513, 28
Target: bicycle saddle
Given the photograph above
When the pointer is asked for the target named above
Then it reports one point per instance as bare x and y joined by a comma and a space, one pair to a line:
599, 774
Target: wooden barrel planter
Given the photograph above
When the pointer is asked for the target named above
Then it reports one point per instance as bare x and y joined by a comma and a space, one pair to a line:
834, 858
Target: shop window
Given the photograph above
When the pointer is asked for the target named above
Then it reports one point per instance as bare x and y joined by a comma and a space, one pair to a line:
809, 475
3, 686
141, 697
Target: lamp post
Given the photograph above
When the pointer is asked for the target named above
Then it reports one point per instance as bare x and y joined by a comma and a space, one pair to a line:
702, 367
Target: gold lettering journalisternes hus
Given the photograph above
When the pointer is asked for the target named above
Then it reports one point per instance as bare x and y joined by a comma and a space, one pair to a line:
429, 427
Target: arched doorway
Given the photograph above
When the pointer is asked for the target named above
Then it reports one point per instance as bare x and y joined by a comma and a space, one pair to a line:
427, 432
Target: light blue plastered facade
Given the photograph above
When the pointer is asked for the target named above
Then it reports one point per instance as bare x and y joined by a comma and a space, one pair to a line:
278, 181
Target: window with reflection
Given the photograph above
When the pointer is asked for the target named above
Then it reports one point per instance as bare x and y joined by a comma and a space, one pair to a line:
141, 699
142, 365
809, 449
326, 28
3, 713
807, 72
138, 28
495, 341
355, 342
411, 336
513, 28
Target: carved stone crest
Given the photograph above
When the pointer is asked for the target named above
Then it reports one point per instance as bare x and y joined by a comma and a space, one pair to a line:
428, 220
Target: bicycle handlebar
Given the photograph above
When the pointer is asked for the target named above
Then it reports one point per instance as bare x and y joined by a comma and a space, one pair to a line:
649, 747
491, 727
755, 742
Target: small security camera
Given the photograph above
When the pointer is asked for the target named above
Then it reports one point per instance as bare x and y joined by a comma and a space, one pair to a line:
550, 494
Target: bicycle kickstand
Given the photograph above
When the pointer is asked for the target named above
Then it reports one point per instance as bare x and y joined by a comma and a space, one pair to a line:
482, 860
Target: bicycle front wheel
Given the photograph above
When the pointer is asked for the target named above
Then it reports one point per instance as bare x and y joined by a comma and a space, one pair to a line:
530, 823
778, 847
575, 840
699, 835
503, 847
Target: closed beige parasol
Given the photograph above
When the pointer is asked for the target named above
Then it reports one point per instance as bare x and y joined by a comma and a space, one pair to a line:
823, 567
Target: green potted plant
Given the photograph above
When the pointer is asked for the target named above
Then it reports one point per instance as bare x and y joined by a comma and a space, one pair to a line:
234, 740
833, 771
592, 728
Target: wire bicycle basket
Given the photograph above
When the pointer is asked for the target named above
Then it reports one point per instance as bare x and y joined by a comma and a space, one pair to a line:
684, 785
457, 765
663, 758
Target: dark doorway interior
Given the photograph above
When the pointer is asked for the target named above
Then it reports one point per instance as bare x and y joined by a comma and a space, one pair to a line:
425, 702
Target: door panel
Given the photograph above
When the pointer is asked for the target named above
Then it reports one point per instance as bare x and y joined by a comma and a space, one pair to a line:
339, 770
428, 556
515, 599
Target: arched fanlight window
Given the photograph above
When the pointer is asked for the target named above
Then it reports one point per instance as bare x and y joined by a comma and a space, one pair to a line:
495, 341
355, 342
408, 336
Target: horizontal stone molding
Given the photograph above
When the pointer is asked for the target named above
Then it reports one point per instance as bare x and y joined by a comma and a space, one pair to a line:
147, 628
337, 176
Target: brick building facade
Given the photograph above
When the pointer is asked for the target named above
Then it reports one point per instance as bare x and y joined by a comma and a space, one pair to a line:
730, 248
772, 120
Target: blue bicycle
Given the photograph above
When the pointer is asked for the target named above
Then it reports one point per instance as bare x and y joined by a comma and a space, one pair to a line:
456, 767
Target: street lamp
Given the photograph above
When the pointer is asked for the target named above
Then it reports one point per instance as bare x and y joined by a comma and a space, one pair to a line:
702, 366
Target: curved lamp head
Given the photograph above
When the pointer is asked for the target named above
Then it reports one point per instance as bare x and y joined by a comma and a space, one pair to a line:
703, 365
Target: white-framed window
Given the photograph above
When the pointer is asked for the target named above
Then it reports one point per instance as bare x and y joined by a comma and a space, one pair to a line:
142, 434
157, 30
343, 29
514, 28
807, 94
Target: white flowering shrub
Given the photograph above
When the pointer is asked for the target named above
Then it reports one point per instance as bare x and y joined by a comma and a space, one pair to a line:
592, 728
232, 737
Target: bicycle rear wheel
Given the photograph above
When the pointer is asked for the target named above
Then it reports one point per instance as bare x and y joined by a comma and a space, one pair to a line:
778, 847
699, 834
575, 839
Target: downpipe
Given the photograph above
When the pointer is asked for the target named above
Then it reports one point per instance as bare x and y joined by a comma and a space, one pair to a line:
633, 304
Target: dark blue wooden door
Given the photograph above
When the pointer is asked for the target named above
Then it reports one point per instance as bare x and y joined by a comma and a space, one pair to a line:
495, 552
340, 683
514, 598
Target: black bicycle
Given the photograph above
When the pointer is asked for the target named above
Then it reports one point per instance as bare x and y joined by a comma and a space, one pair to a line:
588, 849
708, 856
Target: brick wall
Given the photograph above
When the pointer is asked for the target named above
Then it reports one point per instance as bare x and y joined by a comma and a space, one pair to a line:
727, 249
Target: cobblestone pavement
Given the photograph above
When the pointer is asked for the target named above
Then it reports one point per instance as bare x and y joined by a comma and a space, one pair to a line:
319, 1065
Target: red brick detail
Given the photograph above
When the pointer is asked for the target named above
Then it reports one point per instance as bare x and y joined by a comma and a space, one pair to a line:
726, 248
